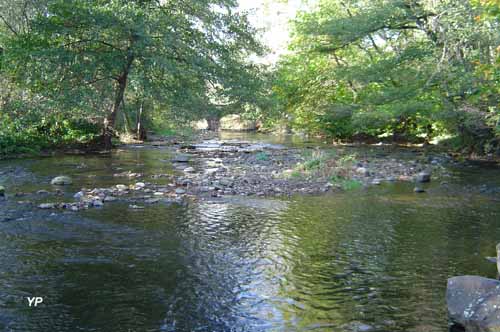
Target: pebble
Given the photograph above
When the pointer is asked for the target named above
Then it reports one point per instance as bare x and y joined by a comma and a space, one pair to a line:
97, 203
363, 171
180, 191
46, 206
61, 180
121, 187
181, 158
152, 200
423, 177
358, 327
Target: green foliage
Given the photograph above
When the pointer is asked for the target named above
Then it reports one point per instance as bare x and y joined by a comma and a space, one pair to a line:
410, 70
125, 63
18, 136
328, 165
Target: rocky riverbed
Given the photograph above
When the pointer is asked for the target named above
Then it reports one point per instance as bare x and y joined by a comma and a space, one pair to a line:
214, 168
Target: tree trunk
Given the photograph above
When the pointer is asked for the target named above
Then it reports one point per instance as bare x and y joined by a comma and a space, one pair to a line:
213, 123
140, 131
109, 121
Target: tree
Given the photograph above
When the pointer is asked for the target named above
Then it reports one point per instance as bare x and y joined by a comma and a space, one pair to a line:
404, 68
85, 56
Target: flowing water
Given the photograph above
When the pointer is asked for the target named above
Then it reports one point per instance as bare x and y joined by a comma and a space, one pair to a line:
380, 256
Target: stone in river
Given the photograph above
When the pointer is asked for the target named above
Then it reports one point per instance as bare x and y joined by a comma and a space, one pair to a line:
180, 191
211, 171
491, 259
152, 200
180, 158
46, 206
419, 190
109, 198
357, 327
2, 191
474, 303
61, 181
121, 187
97, 203
423, 177
363, 171
189, 170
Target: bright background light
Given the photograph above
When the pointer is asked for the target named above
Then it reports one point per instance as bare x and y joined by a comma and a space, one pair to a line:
272, 18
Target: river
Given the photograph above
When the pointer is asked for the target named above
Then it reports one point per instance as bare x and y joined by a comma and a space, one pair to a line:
379, 256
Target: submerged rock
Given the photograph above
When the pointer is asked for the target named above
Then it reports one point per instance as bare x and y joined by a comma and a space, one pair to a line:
2, 191
474, 303
61, 181
419, 190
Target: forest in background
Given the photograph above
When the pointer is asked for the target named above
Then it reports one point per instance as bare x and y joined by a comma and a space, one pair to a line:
408, 71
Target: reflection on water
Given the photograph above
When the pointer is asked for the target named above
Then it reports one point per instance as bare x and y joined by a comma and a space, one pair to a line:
380, 256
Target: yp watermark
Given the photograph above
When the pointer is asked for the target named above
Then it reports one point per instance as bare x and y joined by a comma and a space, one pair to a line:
34, 301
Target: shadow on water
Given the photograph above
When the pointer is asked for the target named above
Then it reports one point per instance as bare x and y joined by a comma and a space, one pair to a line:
380, 256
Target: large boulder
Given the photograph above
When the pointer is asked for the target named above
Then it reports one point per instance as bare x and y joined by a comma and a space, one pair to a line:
61, 181
235, 122
474, 303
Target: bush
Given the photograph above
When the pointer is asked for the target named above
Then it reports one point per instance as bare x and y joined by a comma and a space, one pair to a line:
20, 136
